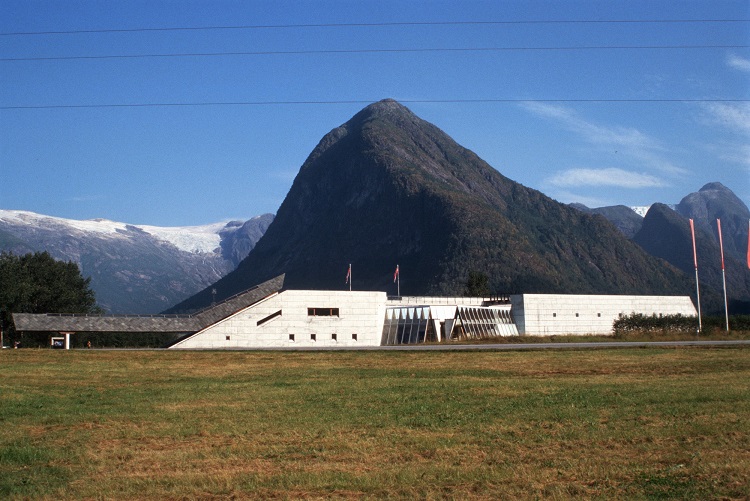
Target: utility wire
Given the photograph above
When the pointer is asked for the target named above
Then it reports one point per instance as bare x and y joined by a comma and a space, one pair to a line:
367, 25
360, 101
372, 51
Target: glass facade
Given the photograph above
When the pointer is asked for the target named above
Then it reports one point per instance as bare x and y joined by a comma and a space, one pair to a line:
479, 323
415, 324
408, 325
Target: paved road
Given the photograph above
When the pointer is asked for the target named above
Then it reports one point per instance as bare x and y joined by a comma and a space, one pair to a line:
567, 346
488, 346
527, 346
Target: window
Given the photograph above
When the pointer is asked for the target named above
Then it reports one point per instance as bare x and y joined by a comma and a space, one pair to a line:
313, 337
291, 337
269, 317
322, 312
354, 337
227, 338
576, 315
598, 314
554, 315
334, 337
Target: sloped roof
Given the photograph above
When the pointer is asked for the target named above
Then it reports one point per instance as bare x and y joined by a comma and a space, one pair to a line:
56, 322
232, 305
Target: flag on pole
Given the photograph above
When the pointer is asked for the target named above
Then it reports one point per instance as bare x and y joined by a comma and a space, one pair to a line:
721, 244
695, 254
395, 274
723, 274
348, 274
697, 286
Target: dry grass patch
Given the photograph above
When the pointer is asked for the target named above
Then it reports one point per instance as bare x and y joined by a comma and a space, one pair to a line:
638, 423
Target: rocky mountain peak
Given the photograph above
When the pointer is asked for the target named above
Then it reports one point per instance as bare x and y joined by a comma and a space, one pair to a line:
388, 188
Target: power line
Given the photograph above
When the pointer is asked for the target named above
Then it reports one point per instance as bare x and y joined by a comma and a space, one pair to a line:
385, 24
373, 51
361, 101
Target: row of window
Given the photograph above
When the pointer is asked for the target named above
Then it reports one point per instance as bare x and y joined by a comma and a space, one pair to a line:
314, 337
554, 315
311, 312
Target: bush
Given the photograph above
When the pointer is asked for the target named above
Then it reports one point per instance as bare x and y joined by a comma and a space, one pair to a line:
638, 322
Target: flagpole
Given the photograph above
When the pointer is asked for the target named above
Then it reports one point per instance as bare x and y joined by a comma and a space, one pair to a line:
723, 274
697, 287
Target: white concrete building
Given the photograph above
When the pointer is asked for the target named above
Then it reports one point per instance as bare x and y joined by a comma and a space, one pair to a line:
267, 316
561, 314
298, 318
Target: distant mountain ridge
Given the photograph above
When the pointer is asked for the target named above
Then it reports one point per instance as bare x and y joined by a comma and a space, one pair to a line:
389, 188
715, 201
664, 232
135, 268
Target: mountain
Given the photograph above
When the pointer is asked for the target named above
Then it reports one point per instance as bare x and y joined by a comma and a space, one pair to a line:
666, 234
627, 220
389, 188
716, 201
135, 268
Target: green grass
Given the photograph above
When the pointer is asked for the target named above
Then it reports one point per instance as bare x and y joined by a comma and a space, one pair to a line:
641, 423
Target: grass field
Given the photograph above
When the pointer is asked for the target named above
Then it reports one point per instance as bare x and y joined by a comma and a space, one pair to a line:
640, 423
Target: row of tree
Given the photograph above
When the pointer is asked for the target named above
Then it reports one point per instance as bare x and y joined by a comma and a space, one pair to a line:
37, 283
638, 322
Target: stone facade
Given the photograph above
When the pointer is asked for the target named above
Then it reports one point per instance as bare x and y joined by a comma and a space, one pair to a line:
298, 318
267, 316
560, 314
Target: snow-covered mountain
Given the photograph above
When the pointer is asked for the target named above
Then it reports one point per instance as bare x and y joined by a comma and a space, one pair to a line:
643, 209
136, 268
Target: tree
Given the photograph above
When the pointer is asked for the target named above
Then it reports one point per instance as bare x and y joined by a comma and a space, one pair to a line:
477, 285
37, 283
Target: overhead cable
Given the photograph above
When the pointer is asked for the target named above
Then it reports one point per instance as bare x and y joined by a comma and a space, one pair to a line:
383, 24
367, 51
360, 101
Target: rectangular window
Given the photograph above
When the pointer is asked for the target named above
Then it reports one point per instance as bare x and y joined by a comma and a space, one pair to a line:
322, 312
333, 336
227, 338
313, 337
554, 315
291, 337
269, 317
576, 315
354, 337
598, 314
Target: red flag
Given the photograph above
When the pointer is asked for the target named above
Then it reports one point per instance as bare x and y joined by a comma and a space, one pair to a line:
695, 255
395, 274
348, 275
721, 244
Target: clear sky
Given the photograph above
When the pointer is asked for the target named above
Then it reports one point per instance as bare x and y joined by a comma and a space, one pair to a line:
529, 103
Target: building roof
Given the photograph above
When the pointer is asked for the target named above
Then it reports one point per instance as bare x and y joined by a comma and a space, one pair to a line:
59, 322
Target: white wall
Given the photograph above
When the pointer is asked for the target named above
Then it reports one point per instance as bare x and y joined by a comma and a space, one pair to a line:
360, 313
555, 314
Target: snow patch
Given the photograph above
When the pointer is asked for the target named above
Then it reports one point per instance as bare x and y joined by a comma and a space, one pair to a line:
194, 239
642, 210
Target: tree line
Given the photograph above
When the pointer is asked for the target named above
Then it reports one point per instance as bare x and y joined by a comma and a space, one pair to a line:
37, 283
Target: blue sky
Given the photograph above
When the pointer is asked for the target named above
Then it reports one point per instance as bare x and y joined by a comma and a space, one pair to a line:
189, 165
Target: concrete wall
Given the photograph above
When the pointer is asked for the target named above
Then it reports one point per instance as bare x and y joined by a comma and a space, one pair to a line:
360, 313
556, 314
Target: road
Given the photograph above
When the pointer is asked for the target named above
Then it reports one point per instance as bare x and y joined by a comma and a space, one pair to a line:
531, 346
